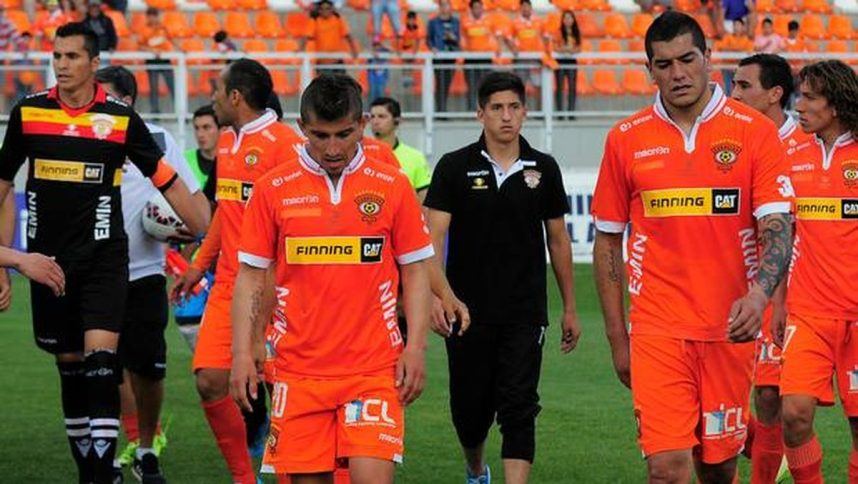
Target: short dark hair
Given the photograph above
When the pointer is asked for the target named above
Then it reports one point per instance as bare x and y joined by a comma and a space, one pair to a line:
206, 110
392, 105
472, 2
252, 80
153, 11
498, 81
220, 36
121, 79
522, 2
90, 40
792, 25
670, 25
767, 20
331, 97
838, 84
774, 71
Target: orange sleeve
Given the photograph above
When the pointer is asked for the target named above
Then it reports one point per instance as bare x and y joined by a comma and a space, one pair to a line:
611, 197
258, 246
772, 190
210, 248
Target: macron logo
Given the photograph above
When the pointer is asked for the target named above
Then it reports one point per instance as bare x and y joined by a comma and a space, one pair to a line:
658, 150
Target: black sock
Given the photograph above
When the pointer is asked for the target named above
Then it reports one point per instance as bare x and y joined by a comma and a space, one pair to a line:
102, 383
73, 390
254, 420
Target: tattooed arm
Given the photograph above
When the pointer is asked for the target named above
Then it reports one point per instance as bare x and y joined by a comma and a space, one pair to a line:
776, 239
610, 279
249, 318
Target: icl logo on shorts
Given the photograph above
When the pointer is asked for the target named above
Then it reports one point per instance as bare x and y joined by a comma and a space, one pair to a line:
683, 202
723, 422
373, 411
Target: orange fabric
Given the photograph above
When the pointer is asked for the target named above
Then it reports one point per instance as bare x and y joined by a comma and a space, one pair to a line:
815, 349
163, 174
237, 25
214, 341
529, 34
824, 269
329, 34
691, 393
46, 26
767, 372
348, 240
210, 248
155, 39
130, 426
177, 24
224, 418
206, 24
735, 43
477, 34
692, 207
805, 462
381, 150
316, 421
767, 453
617, 26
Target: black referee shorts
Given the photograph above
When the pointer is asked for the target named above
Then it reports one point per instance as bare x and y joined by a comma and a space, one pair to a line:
494, 373
94, 299
142, 347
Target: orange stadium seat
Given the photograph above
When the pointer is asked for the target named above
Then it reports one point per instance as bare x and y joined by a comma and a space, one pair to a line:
587, 46
816, 6
252, 4
636, 81
561, 5
552, 21
595, 5
284, 84
640, 23
767, 6
587, 25
788, 5
459, 5
119, 23
138, 22
206, 24
19, 19
840, 27
717, 76
508, 5
812, 27
162, 5
688, 6
268, 25
237, 24
706, 24
582, 84
611, 46
126, 44
11, 4
458, 86
780, 24
256, 45
221, 4
176, 23
605, 82
358, 4
616, 26
636, 46
297, 24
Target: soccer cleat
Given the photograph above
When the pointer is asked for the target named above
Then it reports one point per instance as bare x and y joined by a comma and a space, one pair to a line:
783, 471
147, 470
257, 446
484, 478
159, 443
126, 457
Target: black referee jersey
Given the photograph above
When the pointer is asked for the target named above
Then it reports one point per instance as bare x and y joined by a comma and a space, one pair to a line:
75, 170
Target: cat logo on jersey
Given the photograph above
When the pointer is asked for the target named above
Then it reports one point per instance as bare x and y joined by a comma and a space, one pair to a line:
333, 250
726, 153
369, 205
234, 190
850, 173
102, 125
684, 202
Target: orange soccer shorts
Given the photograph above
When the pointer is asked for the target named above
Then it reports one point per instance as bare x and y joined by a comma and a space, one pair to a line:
691, 395
815, 349
315, 422
214, 342
767, 371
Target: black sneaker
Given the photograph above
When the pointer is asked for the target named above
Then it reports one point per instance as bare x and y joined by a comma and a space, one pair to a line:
147, 470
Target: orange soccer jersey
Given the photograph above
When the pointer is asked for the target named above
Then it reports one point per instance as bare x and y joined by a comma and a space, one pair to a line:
336, 248
329, 33
692, 202
529, 34
478, 34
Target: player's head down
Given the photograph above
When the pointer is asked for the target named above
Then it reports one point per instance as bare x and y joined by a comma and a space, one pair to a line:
119, 82
501, 106
827, 102
677, 59
332, 120
243, 85
764, 82
75, 56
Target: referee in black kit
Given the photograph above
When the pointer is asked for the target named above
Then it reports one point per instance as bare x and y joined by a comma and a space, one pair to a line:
495, 197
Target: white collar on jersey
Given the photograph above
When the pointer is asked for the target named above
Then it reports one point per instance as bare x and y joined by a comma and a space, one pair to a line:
828, 156
713, 107
787, 128
267, 118
309, 164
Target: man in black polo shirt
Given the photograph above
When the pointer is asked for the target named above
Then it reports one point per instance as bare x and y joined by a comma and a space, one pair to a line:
495, 197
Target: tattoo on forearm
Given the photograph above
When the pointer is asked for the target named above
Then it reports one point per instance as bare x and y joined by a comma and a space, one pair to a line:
255, 306
776, 240
615, 264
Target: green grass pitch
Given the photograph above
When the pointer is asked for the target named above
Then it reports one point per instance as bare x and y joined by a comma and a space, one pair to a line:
585, 433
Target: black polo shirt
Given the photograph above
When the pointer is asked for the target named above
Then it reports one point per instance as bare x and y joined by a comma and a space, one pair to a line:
496, 246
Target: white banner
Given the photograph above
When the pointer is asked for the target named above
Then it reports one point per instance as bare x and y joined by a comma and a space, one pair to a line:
579, 223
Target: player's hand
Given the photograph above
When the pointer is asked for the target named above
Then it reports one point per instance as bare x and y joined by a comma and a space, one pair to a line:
183, 236
622, 363
410, 374
243, 380
446, 312
746, 316
779, 317
183, 286
5, 289
44, 270
571, 332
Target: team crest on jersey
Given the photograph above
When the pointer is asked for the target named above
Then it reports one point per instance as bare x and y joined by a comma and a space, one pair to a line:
273, 439
726, 153
252, 157
102, 125
369, 205
850, 173
479, 183
532, 178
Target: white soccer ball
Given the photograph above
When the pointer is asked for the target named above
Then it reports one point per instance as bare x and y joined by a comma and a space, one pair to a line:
159, 219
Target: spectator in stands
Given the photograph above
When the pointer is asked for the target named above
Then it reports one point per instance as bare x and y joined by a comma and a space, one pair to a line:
654, 6
390, 7
8, 31
378, 73
154, 39
478, 36
738, 10
223, 43
528, 35
567, 40
103, 27
412, 36
330, 32
794, 44
769, 42
735, 41
118, 5
46, 27
25, 81
444, 35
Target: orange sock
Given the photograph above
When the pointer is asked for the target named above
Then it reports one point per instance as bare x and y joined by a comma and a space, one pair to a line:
225, 420
341, 475
283, 479
752, 433
767, 453
129, 425
805, 462
853, 467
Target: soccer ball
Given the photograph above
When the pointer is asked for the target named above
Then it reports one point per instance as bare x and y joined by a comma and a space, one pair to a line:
159, 219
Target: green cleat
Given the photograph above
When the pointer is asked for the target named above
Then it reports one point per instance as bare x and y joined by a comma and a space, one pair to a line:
126, 457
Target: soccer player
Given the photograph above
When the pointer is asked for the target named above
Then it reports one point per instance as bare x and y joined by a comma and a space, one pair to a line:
495, 197
77, 139
765, 83
253, 143
142, 346
385, 116
700, 178
819, 341
340, 228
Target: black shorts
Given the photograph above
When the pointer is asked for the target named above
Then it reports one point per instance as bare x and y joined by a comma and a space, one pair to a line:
94, 299
142, 347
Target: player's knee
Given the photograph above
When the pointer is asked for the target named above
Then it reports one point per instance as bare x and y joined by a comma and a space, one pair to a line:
767, 401
519, 438
211, 386
853, 427
103, 364
797, 418
669, 468
722, 473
